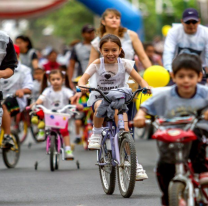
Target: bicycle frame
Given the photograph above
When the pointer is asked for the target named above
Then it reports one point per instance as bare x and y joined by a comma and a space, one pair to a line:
59, 141
109, 133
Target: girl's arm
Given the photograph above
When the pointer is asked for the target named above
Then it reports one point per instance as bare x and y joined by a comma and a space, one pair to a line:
139, 50
138, 78
83, 81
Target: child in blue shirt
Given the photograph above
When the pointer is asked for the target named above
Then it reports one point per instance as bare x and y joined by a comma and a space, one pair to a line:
184, 97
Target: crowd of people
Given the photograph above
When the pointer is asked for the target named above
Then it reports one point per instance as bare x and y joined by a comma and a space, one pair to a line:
107, 58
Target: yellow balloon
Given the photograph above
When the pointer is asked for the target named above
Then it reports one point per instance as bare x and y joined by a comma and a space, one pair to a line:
156, 76
141, 98
165, 30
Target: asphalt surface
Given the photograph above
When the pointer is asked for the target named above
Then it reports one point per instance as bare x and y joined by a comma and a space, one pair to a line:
24, 186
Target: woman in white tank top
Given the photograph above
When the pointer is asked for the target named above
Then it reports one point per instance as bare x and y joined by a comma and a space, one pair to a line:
111, 24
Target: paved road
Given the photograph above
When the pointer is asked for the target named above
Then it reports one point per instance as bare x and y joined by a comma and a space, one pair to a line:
69, 186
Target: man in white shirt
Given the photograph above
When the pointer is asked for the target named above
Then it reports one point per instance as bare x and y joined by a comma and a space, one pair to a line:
188, 37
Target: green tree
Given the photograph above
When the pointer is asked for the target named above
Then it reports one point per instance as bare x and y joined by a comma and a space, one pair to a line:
152, 23
67, 21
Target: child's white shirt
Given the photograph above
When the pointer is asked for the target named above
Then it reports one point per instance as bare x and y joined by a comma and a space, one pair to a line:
56, 99
108, 76
21, 79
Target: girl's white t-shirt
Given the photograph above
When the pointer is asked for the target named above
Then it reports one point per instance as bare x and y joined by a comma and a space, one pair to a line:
108, 76
56, 99
111, 68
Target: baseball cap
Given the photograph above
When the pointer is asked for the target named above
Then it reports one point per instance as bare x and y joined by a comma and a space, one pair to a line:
190, 14
87, 28
17, 49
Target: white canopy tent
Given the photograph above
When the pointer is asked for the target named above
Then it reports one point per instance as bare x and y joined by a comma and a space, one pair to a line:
16, 9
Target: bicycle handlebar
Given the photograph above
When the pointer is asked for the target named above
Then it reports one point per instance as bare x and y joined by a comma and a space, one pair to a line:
143, 90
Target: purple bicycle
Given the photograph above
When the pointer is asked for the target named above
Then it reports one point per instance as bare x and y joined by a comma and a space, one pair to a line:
117, 150
54, 121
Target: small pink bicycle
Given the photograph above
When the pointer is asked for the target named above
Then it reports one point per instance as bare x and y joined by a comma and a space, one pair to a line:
54, 121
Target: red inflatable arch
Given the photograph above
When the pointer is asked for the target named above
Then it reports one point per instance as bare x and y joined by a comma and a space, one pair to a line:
16, 9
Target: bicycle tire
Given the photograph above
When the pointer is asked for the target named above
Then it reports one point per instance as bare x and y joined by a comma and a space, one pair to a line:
23, 134
127, 165
108, 185
15, 149
176, 193
34, 134
53, 152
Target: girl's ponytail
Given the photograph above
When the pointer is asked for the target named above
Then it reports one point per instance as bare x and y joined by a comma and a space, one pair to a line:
44, 83
122, 54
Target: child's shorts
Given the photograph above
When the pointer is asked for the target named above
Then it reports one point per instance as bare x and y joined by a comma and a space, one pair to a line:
12, 106
65, 132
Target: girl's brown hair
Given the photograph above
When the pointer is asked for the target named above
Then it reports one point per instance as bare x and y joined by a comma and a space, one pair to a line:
47, 76
101, 30
114, 39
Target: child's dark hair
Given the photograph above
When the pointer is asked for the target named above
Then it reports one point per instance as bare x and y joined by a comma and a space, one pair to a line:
46, 76
148, 44
25, 39
187, 61
112, 38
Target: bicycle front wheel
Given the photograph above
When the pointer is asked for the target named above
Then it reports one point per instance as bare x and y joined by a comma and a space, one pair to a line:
11, 155
107, 172
53, 153
127, 168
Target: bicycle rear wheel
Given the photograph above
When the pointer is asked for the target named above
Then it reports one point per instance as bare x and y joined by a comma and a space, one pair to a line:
127, 169
107, 172
53, 153
11, 155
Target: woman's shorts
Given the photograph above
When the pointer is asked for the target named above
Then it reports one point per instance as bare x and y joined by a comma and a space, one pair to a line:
12, 106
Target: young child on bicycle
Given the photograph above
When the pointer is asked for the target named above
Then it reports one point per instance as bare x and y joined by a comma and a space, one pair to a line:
109, 72
56, 97
17, 86
184, 97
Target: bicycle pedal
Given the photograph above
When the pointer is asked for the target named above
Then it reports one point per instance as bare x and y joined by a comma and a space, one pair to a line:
69, 158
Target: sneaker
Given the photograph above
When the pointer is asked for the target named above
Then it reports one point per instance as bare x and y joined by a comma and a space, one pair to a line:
41, 125
140, 173
203, 179
8, 141
94, 142
69, 154
77, 140
41, 135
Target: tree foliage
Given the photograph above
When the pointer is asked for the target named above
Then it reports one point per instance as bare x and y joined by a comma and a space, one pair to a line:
153, 23
68, 20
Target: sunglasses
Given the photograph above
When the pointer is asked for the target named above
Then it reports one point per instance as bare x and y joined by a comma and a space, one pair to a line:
191, 22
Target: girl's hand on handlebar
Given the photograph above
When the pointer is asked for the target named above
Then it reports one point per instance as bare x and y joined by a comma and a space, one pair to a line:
206, 115
32, 105
84, 90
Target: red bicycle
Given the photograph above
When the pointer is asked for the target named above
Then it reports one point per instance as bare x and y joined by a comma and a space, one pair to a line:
184, 189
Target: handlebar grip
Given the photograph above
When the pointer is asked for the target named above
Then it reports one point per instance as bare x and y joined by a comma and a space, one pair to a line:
78, 89
145, 90
28, 108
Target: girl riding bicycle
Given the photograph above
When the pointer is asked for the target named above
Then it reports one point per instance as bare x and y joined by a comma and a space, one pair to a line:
109, 72
55, 97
